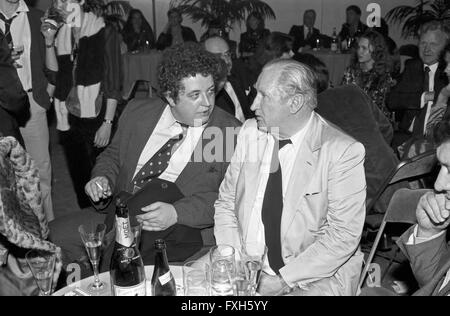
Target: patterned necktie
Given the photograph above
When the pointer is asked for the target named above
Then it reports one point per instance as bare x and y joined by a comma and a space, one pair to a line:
8, 23
156, 165
272, 211
419, 124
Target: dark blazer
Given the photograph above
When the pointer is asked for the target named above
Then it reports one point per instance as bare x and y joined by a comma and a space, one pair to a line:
14, 104
430, 262
351, 109
39, 72
165, 40
408, 91
199, 182
224, 101
297, 32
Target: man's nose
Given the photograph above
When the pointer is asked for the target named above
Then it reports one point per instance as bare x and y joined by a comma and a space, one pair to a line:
442, 183
205, 100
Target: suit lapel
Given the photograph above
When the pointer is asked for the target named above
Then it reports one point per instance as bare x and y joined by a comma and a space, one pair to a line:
303, 173
253, 171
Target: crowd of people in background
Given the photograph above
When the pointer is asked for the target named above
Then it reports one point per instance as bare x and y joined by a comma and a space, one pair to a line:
269, 79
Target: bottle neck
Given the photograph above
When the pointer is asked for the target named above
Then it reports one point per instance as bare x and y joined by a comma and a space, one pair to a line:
161, 259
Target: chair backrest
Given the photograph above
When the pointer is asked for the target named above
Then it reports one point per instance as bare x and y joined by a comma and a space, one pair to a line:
403, 204
412, 168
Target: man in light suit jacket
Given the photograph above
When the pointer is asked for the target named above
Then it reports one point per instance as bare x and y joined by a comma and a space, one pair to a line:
295, 183
159, 141
425, 245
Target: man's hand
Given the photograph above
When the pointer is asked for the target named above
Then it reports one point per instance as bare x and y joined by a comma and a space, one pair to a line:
429, 96
103, 136
272, 285
432, 214
98, 188
160, 216
49, 32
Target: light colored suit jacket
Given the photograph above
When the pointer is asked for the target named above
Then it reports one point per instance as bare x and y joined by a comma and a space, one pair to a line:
324, 207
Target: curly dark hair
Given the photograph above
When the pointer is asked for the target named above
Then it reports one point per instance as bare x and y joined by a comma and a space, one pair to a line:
441, 132
183, 61
380, 55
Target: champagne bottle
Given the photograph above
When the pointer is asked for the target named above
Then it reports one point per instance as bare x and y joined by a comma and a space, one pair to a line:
163, 283
334, 41
127, 268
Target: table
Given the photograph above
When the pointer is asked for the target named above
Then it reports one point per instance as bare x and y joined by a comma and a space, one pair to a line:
140, 66
177, 272
336, 63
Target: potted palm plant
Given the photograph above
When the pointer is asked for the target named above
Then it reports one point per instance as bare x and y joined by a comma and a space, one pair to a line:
413, 17
228, 12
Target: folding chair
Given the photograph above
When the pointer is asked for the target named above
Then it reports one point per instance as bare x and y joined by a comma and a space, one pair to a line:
413, 168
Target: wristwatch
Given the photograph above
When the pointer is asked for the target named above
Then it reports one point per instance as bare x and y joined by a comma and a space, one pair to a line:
106, 121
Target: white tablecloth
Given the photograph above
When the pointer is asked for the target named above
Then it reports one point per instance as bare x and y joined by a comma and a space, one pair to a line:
177, 272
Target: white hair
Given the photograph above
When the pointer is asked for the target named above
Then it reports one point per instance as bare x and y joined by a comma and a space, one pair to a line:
295, 78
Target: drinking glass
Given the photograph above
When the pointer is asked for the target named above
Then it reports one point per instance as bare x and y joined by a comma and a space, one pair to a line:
42, 265
92, 236
252, 260
223, 270
196, 279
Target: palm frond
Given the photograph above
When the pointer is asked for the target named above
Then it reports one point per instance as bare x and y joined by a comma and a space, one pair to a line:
227, 11
413, 17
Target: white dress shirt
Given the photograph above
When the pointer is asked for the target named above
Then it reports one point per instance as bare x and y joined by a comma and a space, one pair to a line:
287, 156
432, 73
167, 128
21, 35
239, 114
415, 240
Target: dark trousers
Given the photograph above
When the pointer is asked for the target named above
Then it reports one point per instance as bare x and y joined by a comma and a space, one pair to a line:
81, 154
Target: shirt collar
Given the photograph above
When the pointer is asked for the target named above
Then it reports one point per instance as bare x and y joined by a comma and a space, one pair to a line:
169, 121
21, 8
297, 138
433, 68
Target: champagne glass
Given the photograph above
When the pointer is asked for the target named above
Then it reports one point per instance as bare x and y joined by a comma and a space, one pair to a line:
92, 237
253, 257
42, 265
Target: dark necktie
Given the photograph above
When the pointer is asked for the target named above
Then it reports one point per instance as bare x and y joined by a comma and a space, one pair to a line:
272, 211
308, 36
419, 124
8, 23
156, 165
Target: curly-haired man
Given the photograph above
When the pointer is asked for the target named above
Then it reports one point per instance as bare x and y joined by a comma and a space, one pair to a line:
153, 158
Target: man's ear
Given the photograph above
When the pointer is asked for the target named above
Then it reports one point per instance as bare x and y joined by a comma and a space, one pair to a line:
296, 103
170, 100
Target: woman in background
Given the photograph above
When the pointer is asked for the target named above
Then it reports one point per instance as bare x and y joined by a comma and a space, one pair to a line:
88, 87
255, 34
371, 70
137, 33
